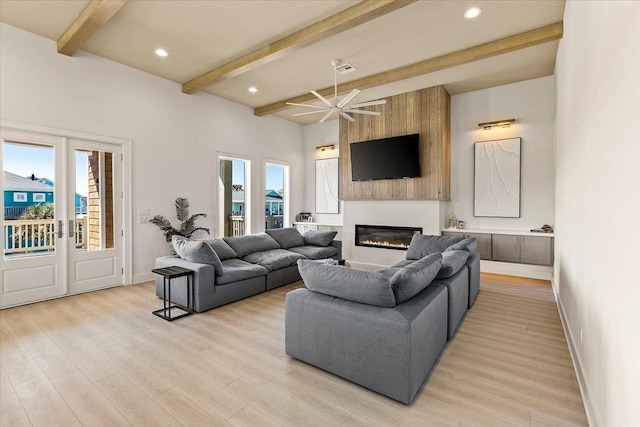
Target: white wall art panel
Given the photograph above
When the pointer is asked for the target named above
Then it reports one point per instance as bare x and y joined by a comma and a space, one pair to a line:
497, 178
327, 186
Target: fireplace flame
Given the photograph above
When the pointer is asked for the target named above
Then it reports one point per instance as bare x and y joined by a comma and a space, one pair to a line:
398, 245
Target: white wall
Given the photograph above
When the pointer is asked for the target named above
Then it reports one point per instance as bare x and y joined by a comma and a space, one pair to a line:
532, 104
175, 136
315, 135
598, 203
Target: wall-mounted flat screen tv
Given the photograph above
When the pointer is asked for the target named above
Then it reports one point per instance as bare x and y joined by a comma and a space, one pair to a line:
388, 158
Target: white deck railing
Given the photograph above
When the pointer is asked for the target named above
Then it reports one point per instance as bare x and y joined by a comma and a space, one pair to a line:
36, 235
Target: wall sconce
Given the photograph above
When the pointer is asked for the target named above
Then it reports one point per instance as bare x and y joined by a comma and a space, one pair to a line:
498, 123
326, 147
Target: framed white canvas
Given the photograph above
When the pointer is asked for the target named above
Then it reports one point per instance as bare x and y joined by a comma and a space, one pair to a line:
327, 186
496, 182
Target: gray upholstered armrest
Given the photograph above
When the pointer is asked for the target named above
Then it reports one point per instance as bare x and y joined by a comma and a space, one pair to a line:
204, 279
337, 244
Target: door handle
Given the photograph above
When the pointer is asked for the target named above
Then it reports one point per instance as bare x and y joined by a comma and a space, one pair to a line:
72, 224
60, 231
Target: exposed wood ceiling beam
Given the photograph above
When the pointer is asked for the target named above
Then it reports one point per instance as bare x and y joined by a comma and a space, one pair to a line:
487, 50
351, 17
90, 20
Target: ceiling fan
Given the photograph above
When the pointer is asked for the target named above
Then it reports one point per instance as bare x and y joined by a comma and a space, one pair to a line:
339, 106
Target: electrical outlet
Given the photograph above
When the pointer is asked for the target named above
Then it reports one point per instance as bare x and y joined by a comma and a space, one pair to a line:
144, 211
143, 219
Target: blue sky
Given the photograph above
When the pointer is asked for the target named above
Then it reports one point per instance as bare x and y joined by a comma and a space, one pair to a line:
25, 160
274, 175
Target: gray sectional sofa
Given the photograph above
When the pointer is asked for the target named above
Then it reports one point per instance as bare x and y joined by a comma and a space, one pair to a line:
385, 329
232, 268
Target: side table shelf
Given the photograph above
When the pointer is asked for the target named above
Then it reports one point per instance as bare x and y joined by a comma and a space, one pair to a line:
167, 274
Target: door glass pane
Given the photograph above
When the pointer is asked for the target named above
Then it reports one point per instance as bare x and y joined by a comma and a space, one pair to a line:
93, 201
28, 191
233, 196
274, 196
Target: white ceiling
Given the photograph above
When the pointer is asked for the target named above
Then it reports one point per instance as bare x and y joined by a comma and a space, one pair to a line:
201, 35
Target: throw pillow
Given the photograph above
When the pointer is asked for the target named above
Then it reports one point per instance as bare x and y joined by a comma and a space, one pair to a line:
196, 251
423, 245
452, 262
470, 245
223, 250
408, 281
366, 287
286, 237
245, 245
319, 238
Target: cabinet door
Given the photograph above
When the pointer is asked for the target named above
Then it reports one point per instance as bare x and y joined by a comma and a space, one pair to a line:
536, 250
505, 248
484, 244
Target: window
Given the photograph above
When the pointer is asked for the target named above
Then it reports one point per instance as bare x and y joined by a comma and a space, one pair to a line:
20, 197
276, 206
233, 196
39, 197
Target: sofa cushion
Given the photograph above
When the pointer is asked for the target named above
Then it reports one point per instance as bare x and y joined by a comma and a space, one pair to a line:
389, 272
245, 245
274, 259
366, 287
316, 252
408, 281
234, 270
470, 245
319, 238
422, 245
197, 251
403, 263
286, 237
221, 247
452, 262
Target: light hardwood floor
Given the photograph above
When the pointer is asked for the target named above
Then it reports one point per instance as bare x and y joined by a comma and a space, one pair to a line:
103, 359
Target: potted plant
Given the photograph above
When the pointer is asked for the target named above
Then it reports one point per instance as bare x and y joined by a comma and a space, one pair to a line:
187, 223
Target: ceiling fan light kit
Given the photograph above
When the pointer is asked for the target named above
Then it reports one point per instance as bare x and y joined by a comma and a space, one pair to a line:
339, 106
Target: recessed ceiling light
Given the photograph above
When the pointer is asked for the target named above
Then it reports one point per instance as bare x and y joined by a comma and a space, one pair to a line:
253, 89
161, 52
472, 13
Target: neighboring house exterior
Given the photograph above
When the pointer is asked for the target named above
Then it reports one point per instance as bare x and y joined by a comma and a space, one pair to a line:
273, 204
21, 192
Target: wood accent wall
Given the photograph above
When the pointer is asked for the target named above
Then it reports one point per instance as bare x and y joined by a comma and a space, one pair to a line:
427, 112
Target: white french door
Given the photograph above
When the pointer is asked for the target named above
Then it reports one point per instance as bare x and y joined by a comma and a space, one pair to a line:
61, 216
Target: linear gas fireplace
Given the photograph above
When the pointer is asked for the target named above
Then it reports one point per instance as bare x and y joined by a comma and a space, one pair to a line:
381, 236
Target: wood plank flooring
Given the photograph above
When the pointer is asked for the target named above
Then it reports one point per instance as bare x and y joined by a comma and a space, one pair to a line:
103, 359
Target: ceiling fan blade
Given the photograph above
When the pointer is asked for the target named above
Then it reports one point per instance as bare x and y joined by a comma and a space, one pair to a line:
321, 98
348, 98
307, 105
346, 116
370, 113
325, 117
310, 112
368, 104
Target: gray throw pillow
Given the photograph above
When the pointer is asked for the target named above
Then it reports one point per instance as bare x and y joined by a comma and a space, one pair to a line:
470, 245
197, 251
223, 250
245, 245
423, 245
452, 262
409, 281
286, 237
319, 238
366, 287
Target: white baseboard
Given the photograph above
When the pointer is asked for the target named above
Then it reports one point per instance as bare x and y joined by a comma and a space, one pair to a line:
521, 270
142, 277
577, 364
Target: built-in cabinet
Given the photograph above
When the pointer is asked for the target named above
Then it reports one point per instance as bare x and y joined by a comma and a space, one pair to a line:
522, 249
317, 226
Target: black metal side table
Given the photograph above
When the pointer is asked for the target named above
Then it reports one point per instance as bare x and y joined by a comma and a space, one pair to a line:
167, 274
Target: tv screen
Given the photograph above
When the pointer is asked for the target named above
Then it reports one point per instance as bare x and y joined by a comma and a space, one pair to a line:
388, 158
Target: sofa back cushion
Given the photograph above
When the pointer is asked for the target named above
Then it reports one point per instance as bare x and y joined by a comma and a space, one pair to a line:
245, 245
409, 281
470, 245
286, 237
366, 287
423, 245
319, 238
223, 250
197, 251
452, 262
